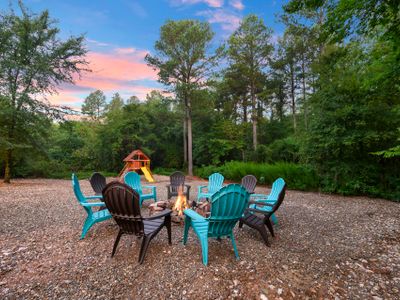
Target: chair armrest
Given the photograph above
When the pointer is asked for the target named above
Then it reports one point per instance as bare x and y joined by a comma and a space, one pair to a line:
149, 186
90, 204
259, 196
193, 215
201, 187
261, 203
94, 197
258, 211
164, 213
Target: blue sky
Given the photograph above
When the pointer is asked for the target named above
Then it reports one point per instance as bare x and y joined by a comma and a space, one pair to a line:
120, 32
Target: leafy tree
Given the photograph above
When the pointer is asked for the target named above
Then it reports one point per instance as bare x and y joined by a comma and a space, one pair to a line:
33, 62
133, 99
249, 51
94, 104
182, 61
233, 94
116, 103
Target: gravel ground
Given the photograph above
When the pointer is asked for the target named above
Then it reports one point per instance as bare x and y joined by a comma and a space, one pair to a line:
325, 247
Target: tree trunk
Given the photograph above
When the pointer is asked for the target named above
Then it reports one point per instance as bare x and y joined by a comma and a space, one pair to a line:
185, 147
292, 92
189, 141
254, 116
7, 171
244, 110
304, 93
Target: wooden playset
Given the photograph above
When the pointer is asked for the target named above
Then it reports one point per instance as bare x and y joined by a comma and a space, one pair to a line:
137, 161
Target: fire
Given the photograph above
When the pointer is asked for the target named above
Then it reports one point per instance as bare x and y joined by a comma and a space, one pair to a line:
181, 202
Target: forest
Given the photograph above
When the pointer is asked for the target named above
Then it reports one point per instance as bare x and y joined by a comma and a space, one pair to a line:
319, 106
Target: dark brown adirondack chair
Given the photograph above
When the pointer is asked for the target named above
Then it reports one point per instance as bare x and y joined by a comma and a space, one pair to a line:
98, 182
177, 180
251, 219
124, 205
249, 182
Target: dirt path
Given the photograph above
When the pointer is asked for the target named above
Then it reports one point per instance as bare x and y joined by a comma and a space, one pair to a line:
326, 247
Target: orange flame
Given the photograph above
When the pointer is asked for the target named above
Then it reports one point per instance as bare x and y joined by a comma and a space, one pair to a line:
181, 202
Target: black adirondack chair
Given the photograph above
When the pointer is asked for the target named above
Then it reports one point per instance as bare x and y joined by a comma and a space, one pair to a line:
249, 182
260, 223
124, 205
177, 180
98, 182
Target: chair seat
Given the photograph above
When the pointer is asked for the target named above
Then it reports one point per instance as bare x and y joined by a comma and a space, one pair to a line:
151, 226
252, 220
102, 214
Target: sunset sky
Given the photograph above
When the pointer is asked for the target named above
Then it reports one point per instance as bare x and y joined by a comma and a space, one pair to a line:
119, 33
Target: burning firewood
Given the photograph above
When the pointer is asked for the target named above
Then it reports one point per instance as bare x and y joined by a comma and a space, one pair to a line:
181, 202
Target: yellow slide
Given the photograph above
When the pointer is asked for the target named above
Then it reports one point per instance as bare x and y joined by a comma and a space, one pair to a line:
147, 174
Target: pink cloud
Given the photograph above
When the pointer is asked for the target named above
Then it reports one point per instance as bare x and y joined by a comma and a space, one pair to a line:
228, 21
211, 3
117, 65
64, 98
238, 4
113, 71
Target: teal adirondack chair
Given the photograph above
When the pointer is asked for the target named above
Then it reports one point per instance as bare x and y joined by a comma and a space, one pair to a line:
227, 206
277, 187
215, 182
133, 180
92, 217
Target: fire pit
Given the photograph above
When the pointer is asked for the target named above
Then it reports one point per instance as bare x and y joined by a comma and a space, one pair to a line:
178, 206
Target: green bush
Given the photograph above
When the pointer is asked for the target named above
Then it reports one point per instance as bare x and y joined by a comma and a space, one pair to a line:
164, 171
52, 169
296, 176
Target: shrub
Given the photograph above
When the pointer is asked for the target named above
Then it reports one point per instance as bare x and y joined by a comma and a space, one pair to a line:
296, 176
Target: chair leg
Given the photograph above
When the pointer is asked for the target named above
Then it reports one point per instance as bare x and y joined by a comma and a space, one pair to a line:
264, 234
167, 221
204, 249
143, 248
274, 219
86, 226
270, 227
116, 243
186, 230
240, 223
234, 246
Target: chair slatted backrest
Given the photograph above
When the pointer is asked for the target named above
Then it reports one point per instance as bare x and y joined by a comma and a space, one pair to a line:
133, 180
278, 203
78, 193
227, 206
124, 205
277, 187
215, 182
98, 182
177, 180
249, 182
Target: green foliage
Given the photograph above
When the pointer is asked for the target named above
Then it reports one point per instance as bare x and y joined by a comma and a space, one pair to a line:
296, 176
94, 104
165, 171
